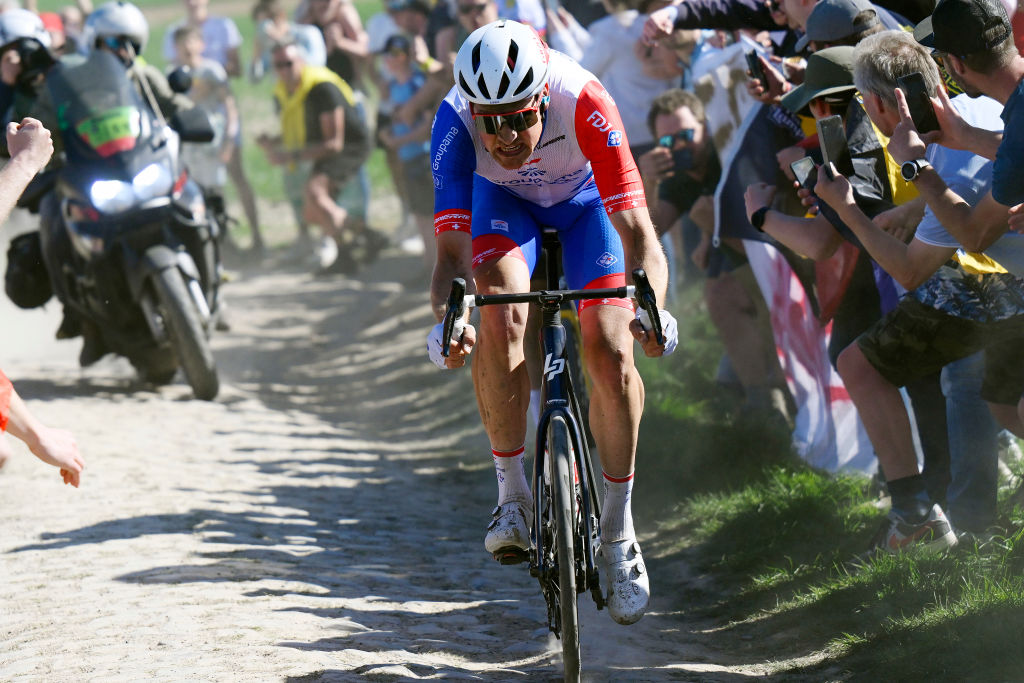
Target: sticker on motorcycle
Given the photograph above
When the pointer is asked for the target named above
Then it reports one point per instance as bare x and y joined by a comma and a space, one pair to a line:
113, 131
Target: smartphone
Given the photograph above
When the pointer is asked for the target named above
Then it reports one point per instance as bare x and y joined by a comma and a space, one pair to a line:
754, 65
832, 139
919, 102
803, 171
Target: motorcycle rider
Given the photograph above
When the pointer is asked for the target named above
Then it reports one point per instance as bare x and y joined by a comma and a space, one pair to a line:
121, 28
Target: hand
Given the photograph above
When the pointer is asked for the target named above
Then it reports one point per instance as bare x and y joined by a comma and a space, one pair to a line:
786, 156
837, 192
656, 164
900, 221
758, 195
660, 24
771, 91
31, 139
953, 129
1016, 219
463, 341
905, 144
404, 114
640, 327
807, 198
57, 447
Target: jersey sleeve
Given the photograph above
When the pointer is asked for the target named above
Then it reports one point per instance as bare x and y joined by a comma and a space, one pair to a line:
603, 140
6, 388
452, 162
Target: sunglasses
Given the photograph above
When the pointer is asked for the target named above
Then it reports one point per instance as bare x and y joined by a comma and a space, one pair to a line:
287, 64
684, 135
516, 120
472, 9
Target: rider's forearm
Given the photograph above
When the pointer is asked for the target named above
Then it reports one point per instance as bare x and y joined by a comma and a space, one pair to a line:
454, 259
642, 248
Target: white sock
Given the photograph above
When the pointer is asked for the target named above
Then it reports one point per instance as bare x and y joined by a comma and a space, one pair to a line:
535, 406
512, 484
617, 515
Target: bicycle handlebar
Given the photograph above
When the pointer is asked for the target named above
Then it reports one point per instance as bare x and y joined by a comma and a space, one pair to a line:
648, 301
459, 301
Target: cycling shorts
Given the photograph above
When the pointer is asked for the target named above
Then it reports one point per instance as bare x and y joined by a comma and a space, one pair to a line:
592, 256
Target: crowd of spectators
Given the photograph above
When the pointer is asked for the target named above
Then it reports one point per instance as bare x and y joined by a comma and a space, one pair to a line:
917, 226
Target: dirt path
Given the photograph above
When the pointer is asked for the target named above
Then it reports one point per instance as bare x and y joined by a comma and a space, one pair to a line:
321, 521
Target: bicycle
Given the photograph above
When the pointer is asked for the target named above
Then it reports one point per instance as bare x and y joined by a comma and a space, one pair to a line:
565, 529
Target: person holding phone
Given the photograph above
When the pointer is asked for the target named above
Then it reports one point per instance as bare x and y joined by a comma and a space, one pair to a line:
829, 90
951, 312
682, 172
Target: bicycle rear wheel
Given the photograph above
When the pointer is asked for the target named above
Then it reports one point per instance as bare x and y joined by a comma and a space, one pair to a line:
563, 495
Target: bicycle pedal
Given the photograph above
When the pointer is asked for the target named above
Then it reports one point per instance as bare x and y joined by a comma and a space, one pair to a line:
511, 555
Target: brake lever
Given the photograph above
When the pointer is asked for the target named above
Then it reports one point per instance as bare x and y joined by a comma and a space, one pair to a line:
456, 309
648, 301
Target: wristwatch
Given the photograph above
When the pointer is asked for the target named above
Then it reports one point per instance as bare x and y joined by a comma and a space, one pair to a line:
910, 169
757, 218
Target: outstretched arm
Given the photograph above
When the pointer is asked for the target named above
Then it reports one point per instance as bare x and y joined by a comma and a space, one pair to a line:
30, 147
53, 446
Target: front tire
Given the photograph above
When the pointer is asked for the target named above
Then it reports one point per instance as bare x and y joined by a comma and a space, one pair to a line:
563, 494
188, 338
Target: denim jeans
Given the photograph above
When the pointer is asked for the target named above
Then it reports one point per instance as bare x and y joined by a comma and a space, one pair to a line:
973, 447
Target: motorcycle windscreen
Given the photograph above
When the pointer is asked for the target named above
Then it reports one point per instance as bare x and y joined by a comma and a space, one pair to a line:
99, 111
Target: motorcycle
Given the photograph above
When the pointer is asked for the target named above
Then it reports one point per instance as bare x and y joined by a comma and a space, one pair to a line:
133, 250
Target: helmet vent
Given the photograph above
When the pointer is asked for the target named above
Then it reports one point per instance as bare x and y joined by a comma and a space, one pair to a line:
476, 57
464, 84
503, 86
526, 83
513, 55
482, 85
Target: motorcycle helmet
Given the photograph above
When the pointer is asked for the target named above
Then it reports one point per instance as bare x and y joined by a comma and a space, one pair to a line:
19, 25
23, 31
117, 21
26, 280
501, 63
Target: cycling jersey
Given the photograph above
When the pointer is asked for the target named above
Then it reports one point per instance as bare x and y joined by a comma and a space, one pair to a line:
6, 390
583, 144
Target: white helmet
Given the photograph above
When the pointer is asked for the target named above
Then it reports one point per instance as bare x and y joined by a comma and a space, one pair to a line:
117, 19
21, 25
501, 63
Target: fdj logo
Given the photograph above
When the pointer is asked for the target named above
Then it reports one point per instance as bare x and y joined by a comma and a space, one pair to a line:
606, 260
597, 120
615, 138
553, 366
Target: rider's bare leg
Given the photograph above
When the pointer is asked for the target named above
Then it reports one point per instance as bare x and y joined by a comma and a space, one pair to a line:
499, 369
616, 403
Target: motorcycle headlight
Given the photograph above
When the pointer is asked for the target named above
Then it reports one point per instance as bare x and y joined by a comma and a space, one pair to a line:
111, 196
114, 196
153, 181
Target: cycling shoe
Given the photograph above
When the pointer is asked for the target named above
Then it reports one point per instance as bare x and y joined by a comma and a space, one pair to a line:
629, 590
508, 534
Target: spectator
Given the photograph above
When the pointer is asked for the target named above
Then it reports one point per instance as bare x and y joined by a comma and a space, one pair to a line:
346, 41
221, 43
322, 130
273, 26
410, 143
73, 19
682, 171
53, 446
951, 312
210, 90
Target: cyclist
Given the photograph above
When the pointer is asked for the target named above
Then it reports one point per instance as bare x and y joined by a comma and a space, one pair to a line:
527, 138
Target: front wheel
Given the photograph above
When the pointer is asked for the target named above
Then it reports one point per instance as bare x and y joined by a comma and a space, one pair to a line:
564, 501
188, 338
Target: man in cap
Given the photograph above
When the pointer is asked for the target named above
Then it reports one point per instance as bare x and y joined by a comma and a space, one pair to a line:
974, 42
839, 22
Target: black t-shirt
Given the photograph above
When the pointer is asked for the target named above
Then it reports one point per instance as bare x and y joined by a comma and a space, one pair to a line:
326, 97
682, 191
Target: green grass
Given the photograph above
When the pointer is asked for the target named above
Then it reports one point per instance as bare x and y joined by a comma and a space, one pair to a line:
779, 545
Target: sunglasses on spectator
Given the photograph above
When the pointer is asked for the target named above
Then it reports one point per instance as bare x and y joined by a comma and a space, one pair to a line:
472, 9
516, 120
684, 135
284, 64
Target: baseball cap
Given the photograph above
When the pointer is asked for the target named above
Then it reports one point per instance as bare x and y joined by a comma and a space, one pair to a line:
829, 72
964, 27
397, 42
833, 20
416, 5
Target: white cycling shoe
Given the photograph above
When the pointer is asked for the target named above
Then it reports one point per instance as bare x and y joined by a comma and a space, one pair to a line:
508, 534
629, 589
